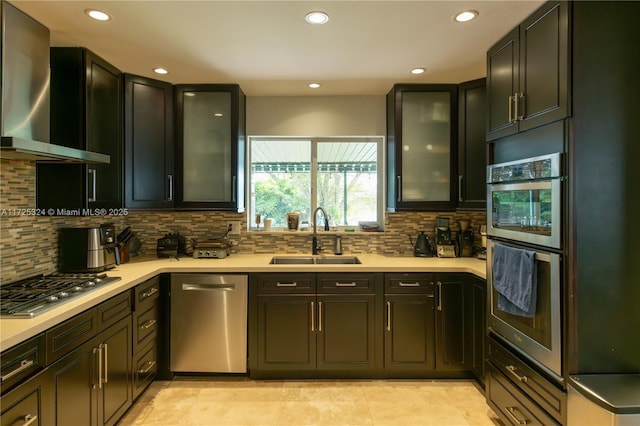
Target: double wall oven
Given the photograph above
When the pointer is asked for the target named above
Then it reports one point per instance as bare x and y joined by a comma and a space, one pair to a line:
524, 211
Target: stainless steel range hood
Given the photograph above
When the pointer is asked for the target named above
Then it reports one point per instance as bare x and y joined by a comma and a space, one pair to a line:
25, 108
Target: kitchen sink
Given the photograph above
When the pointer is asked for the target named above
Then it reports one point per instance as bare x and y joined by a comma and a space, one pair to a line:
309, 260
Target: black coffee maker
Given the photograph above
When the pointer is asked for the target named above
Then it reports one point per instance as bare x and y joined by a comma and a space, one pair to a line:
465, 238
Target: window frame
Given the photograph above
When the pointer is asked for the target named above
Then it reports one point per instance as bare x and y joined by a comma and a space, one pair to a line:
380, 140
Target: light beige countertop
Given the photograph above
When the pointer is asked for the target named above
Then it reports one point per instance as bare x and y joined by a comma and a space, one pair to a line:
17, 330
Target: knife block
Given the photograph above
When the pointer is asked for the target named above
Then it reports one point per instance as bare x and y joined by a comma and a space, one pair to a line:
124, 253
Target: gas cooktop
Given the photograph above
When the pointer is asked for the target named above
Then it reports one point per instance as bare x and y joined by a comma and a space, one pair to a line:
32, 296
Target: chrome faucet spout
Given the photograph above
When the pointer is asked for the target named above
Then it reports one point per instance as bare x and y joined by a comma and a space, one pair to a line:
315, 247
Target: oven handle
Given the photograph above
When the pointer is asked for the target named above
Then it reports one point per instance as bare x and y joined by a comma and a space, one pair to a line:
539, 256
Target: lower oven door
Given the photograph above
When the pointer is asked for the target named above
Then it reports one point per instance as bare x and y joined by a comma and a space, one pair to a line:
537, 338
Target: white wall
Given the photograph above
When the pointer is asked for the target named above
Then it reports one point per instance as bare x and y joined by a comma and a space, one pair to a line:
316, 115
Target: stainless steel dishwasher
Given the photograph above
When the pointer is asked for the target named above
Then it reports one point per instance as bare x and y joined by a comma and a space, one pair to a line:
208, 323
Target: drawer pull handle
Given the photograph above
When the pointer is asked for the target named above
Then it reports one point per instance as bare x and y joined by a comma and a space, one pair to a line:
402, 284
512, 370
30, 419
149, 293
150, 366
148, 324
293, 284
351, 284
24, 364
511, 411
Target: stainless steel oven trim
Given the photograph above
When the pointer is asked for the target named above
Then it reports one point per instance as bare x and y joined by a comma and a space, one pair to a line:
549, 360
554, 240
555, 171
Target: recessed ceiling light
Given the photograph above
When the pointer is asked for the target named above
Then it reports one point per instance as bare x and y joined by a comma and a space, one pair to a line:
418, 70
160, 70
314, 85
316, 18
466, 16
218, 114
98, 15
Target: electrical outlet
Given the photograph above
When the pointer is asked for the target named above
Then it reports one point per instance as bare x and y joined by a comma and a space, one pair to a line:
235, 227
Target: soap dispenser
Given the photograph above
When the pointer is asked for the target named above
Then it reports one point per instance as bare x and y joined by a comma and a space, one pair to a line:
337, 249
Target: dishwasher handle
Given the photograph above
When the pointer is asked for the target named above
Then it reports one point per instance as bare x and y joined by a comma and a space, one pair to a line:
208, 287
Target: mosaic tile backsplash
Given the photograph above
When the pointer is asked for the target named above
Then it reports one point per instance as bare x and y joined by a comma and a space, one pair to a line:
29, 244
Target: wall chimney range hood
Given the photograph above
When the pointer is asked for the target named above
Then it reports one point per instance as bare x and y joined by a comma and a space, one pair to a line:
25, 108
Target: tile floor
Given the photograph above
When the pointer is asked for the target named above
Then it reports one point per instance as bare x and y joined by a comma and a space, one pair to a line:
329, 402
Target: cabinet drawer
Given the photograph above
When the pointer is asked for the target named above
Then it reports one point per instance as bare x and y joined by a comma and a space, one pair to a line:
548, 396
409, 283
145, 366
286, 283
146, 324
22, 406
512, 405
70, 334
113, 310
346, 283
146, 293
22, 361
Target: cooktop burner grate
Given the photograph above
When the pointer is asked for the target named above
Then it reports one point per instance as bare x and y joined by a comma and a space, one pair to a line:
31, 296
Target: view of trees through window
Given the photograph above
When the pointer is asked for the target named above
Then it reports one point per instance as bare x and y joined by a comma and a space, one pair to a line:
343, 173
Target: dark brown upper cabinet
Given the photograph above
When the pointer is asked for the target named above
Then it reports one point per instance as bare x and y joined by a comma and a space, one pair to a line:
472, 148
528, 73
148, 143
422, 132
86, 113
210, 147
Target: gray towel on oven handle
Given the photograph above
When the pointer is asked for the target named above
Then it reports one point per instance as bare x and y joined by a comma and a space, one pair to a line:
515, 280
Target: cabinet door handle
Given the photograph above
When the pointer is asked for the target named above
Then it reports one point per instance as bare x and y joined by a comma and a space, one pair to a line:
313, 316
105, 349
439, 296
511, 119
148, 324
388, 316
98, 351
403, 284
150, 365
24, 364
170, 179
233, 190
399, 198
29, 419
319, 316
511, 411
293, 284
149, 293
460, 198
520, 106
512, 369
351, 284
92, 175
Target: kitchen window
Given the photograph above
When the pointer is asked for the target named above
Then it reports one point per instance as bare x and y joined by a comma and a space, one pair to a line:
297, 174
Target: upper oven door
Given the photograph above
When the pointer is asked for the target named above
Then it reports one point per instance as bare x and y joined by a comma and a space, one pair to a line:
538, 337
526, 211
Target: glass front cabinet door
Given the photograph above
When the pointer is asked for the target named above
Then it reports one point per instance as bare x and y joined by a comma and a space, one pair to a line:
210, 147
422, 158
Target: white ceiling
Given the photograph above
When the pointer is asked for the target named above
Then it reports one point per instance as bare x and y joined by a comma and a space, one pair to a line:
268, 48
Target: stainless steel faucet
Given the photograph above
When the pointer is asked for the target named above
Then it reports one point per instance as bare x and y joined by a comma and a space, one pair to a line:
315, 248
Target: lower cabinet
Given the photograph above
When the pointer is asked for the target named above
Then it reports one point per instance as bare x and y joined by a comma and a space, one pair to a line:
146, 320
479, 327
409, 339
23, 405
366, 325
303, 326
453, 322
91, 385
